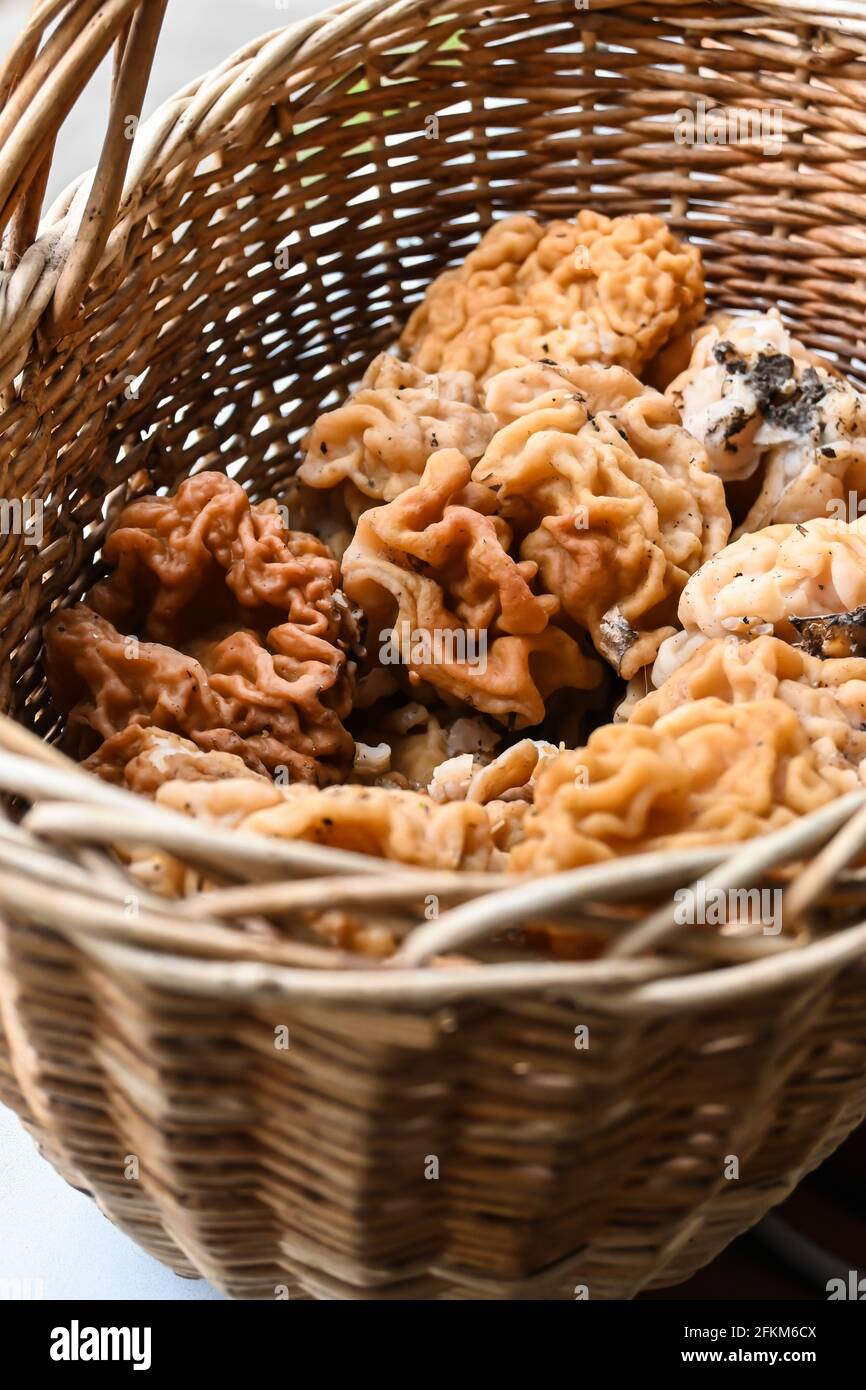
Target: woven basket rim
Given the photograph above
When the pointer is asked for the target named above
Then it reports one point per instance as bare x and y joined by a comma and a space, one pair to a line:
193, 123
627, 984
217, 95
625, 988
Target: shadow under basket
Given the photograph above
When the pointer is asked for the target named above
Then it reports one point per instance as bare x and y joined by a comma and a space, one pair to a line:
516, 1127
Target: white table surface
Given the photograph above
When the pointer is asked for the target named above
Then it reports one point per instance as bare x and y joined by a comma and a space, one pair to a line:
55, 1242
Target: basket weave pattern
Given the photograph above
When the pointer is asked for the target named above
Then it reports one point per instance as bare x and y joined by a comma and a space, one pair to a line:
425, 1132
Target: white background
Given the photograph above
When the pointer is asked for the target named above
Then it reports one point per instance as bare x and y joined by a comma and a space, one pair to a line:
55, 1242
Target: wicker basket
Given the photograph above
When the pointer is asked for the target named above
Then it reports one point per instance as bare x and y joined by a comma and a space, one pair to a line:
428, 1131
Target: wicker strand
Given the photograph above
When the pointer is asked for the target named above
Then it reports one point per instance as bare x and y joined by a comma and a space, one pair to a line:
746, 868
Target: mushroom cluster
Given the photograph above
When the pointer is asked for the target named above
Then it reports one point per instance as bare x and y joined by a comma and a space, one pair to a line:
510, 630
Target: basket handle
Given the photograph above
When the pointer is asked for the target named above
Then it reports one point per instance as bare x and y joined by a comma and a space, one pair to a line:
39, 84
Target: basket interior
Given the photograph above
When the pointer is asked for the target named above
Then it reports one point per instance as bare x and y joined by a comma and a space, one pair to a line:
269, 256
